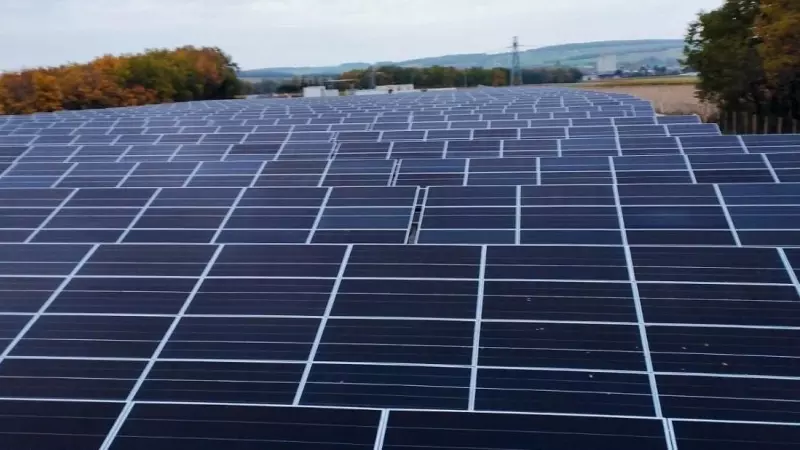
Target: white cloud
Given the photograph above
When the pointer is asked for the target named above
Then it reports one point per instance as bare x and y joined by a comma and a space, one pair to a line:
263, 33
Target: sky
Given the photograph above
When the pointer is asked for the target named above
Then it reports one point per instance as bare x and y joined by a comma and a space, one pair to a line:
276, 33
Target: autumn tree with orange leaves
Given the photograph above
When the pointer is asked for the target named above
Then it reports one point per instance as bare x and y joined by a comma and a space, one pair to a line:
778, 28
156, 76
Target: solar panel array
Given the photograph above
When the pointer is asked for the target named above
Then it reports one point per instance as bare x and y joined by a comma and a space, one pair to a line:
486, 269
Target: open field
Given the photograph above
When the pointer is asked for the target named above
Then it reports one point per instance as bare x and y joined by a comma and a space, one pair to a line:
644, 81
670, 97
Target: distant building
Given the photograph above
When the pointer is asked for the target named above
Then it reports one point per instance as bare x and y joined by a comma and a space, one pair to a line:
386, 89
319, 91
395, 87
369, 92
314, 91
606, 64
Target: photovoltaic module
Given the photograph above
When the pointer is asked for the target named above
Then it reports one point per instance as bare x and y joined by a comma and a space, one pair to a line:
519, 268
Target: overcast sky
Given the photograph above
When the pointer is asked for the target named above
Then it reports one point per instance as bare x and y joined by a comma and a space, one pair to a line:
270, 33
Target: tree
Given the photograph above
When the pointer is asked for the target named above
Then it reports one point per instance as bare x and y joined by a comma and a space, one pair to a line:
17, 93
47, 95
96, 85
259, 87
778, 29
747, 53
3, 99
499, 77
155, 76
721, 46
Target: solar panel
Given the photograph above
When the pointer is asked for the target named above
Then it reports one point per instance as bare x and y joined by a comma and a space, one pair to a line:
389, 136
416, 150
444, 135
490, 268
44, 140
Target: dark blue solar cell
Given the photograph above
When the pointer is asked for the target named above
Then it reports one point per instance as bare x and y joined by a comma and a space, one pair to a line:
137, 139
641, 130
200, 130
591, 122
440, 125
357, 136
95, 139
55, 132
230, 138
508, 123
597, 143
526, 114
274, 129
761, 194
570, 237
669, 120
54, 140
693, 129
432, 166
162, 130
463, 117
349, 127
448, 134
549, 123
307, 128
783, 217
16, 140
310, 136
675, 217
180, 138
92, 131
236, 129
595, 131
771, 140
574, 164
503, 431
403, 135
266, 137
388, 126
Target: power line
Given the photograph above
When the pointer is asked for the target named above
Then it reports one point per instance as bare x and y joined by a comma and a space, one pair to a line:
516, 66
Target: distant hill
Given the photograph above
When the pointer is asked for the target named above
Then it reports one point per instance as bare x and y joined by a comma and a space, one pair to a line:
664, 52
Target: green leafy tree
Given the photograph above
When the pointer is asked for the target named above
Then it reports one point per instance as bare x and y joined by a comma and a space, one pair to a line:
722, 47
442, 76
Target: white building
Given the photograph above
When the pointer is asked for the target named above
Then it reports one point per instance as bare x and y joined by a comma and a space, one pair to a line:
314, 91
319, 91
606, 64
386, 89
395, 87
370, 92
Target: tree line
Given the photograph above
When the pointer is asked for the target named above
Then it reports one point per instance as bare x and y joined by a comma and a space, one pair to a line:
293, 85
747, 53
155, 76
441, 77
423, 78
